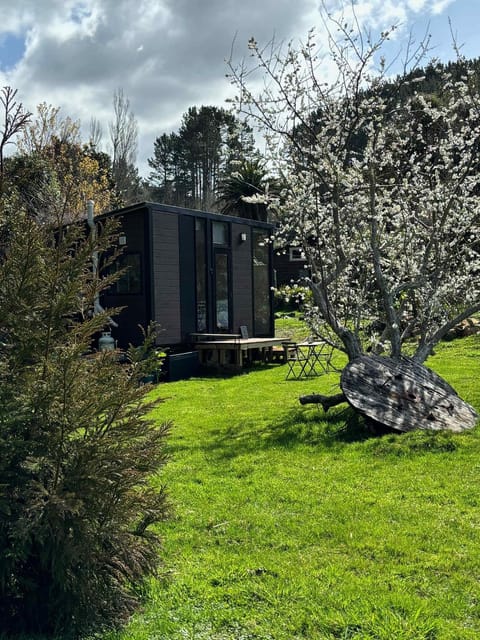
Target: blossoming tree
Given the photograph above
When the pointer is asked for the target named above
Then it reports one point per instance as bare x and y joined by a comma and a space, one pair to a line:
383, 188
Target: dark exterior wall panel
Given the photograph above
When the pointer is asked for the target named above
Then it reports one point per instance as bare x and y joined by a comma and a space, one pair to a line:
135, 307
166, 277
242, 278
186, 242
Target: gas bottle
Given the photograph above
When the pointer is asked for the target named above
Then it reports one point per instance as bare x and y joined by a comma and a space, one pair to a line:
106, 342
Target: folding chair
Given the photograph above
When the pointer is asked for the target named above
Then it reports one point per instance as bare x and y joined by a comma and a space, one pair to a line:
319, 356
296, 358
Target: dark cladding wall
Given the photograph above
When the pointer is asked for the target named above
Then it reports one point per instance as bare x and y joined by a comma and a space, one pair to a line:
166, 277
242, 278
186, 243
135, 310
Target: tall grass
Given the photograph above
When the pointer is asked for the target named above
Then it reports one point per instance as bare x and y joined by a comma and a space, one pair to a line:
290, 523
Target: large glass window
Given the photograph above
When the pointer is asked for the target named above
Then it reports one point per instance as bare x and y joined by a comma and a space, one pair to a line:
201, 274
130, 282
261, 282
222, 311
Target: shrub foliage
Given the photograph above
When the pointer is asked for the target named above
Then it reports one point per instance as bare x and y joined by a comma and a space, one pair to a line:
78, 455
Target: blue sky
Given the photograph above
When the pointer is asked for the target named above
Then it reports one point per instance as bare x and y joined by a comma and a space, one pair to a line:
12, 50
465, 23
168, 55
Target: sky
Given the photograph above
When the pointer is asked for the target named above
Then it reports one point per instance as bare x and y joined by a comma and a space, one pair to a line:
169, 55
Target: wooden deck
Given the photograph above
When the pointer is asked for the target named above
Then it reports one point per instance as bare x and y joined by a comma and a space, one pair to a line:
234, 350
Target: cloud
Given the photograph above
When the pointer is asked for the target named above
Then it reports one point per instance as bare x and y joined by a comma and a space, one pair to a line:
166, 55
416, 5
439, 6
383, 13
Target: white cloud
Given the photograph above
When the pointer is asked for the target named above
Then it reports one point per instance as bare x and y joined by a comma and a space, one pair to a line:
383, 13
416, 5
439, 6
167, 55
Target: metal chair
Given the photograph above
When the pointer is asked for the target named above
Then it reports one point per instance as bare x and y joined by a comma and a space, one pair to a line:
319, 356
297, 360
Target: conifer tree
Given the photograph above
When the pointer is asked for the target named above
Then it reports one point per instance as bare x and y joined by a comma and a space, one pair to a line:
79, 457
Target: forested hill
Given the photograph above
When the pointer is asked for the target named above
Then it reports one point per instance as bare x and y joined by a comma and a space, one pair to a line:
427, 80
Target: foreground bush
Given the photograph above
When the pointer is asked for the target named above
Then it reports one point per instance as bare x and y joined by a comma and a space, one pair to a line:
78, 458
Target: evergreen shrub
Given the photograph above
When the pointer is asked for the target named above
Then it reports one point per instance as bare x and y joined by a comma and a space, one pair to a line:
79, 459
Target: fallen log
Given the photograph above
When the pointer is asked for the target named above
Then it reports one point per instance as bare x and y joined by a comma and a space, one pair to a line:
404, 395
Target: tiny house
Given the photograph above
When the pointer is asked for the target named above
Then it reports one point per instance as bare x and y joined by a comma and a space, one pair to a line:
190, 272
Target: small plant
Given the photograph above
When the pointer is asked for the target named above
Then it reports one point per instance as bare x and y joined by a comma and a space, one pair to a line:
155, 370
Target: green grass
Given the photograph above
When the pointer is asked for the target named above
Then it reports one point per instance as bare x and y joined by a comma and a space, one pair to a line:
289, 325
290, 524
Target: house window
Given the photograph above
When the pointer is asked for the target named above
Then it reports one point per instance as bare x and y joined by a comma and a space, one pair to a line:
296, 254
201, 275
130, 282
222, 291
261, 282
220, 233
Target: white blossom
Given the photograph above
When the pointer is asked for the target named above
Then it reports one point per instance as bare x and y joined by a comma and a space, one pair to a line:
382, 191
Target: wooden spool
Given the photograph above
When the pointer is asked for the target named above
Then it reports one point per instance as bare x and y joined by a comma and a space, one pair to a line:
404, 395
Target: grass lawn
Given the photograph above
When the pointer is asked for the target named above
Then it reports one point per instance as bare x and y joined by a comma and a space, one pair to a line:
290, 524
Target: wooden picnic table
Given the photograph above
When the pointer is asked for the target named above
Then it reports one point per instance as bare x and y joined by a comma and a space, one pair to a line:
238, 346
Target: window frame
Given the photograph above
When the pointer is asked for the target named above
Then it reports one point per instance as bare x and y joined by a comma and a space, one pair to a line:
118, 266
292, 254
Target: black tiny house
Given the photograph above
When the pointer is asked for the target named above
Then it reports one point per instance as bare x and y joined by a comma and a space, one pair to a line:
191, 272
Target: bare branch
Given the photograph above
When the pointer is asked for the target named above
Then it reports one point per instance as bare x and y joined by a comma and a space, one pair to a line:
15, 119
